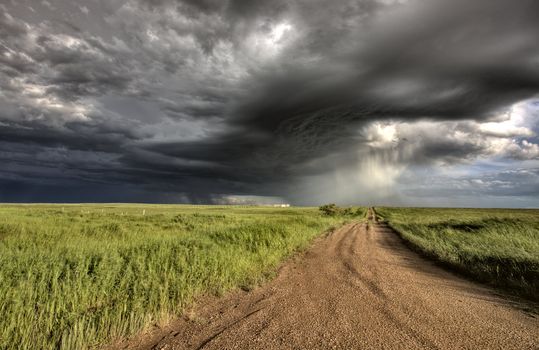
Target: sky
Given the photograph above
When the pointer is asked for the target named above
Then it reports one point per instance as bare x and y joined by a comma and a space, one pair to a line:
365, 102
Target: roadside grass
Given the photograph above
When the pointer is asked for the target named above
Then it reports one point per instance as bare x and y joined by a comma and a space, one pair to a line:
79, 276
499, 247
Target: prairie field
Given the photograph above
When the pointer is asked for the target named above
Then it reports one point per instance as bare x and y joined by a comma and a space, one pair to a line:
499, 247
79, 276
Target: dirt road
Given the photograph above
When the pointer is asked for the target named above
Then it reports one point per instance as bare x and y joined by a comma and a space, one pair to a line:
358, 288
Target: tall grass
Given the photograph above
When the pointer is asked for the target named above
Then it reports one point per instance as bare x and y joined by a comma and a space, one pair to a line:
496, 246
77, 276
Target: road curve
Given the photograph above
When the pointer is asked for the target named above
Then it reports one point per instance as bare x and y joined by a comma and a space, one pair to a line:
357, 288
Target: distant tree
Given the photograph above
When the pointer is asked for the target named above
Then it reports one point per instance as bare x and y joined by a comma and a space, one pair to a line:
347, 212
333, 210
330, 209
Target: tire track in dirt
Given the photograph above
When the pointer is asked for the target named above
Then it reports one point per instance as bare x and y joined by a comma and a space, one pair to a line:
358, 287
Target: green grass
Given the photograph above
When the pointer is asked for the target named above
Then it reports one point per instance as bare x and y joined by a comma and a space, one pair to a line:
78, 276
499, 247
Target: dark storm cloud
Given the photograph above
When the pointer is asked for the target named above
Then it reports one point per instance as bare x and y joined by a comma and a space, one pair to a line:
216, 97
461, 61
438, 61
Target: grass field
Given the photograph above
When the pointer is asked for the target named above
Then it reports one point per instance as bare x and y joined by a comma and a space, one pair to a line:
77, 276
496, 246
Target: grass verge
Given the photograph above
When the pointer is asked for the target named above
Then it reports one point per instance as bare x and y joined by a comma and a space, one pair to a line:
78, 276
499, 247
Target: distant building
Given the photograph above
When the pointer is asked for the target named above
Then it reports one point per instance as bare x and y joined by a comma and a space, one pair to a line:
281, 205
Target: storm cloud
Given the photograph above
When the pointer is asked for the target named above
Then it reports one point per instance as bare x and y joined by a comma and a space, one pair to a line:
308, 101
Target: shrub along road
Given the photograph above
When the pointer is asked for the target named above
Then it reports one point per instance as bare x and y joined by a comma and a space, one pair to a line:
358, 287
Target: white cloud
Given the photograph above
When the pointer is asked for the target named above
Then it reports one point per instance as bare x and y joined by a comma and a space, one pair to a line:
381, 135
